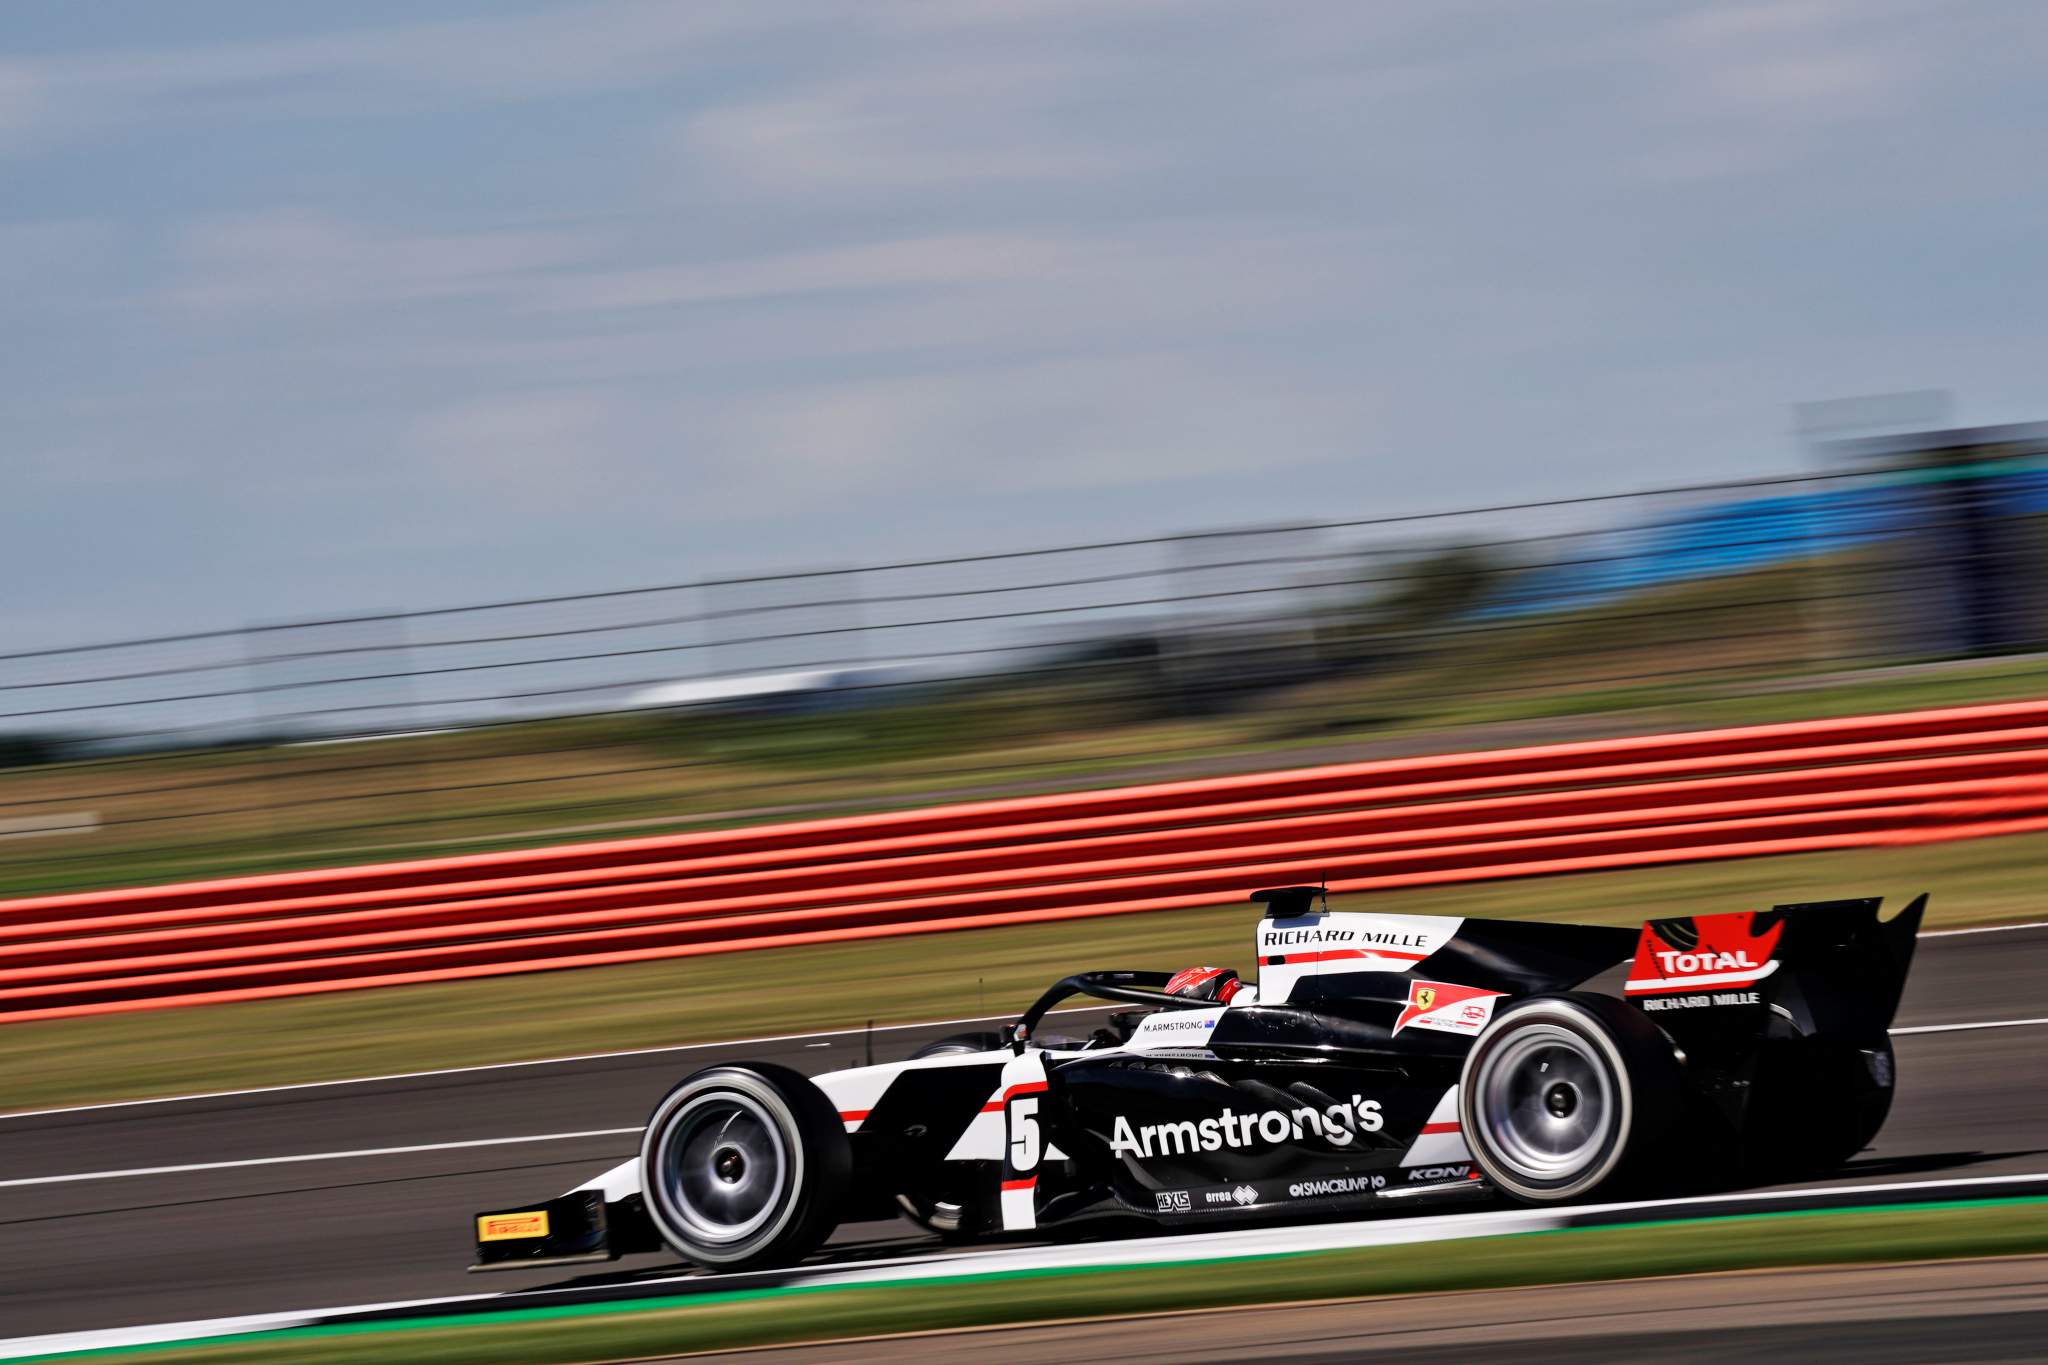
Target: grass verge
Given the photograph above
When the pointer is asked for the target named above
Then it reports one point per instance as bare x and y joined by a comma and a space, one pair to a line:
930, 976
599, 1332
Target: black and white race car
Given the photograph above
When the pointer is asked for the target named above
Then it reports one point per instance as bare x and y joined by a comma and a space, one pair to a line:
1380, 1061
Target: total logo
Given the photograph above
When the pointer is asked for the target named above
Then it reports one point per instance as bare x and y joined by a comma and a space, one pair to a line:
1704, 951
1686, 964
1339, 1125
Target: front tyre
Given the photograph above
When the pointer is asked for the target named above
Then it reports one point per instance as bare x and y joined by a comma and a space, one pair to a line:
1566, 1096
744, 1167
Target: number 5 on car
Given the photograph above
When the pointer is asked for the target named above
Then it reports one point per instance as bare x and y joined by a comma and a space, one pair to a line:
1023, 1094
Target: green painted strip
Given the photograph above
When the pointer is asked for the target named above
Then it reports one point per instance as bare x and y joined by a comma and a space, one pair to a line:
627, 1307
2001, 1201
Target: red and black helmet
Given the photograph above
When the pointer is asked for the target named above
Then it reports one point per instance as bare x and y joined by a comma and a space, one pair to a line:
1217, 984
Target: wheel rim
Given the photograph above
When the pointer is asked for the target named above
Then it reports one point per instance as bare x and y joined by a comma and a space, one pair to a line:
1546, 1103
939, 1215
722, 1167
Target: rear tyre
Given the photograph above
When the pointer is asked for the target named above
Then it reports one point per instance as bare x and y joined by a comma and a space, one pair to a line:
1815, 1103
744, 1166
1567, 1096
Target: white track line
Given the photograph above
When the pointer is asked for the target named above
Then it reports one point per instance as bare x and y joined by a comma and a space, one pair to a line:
538, 1061
313, 1156
1154, 1250
657, 1051
1961, 1028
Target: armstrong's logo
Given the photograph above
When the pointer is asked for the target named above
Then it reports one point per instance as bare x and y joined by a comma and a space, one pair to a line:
1339, 1125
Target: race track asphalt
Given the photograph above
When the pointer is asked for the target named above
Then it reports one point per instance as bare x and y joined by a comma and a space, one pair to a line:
372, 1226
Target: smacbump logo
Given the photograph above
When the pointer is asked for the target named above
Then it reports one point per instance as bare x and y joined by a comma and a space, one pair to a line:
1342, 1184
1338, 1124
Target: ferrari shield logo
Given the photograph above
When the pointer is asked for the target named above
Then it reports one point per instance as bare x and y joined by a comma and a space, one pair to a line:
1447, 1007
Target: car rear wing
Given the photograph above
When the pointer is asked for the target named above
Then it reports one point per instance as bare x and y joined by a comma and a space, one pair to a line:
1830, 968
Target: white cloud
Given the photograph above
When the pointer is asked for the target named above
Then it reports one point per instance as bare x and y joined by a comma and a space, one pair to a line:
528, 278
597, 45
22, 101
916, 134
1102, 421
294, 260
893, 264
530, 449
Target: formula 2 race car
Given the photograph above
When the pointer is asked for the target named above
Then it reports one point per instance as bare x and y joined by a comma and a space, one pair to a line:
1380, 1061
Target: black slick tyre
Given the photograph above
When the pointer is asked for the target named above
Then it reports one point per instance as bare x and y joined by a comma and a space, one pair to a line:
1566, 1097
743, 1167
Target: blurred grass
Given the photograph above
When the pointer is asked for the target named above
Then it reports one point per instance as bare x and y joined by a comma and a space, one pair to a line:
547, 782
611, 1332
1766, 645
918, 977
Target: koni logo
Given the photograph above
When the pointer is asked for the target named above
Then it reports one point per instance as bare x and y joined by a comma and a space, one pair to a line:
1338, 1124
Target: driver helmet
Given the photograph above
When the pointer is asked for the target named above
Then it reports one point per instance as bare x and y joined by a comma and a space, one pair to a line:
1217, 984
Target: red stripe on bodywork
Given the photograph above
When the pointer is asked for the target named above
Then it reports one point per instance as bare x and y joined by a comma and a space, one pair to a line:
1028, 1182
1025, 1088
995, 1106
854, 1115
1429, 1128
1336, 954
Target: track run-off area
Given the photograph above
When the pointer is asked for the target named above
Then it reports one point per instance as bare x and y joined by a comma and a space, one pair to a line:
307, 1199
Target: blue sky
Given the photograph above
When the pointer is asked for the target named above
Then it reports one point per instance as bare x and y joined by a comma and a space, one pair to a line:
329, 308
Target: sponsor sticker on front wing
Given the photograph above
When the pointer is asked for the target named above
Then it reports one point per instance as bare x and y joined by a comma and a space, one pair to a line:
512, 1227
